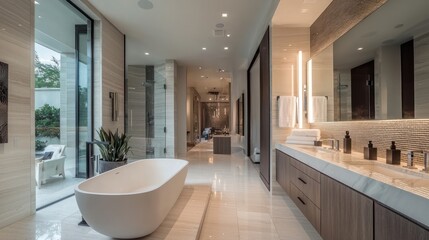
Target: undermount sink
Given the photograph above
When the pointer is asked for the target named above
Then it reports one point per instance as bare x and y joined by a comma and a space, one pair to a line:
391, 171
318, 149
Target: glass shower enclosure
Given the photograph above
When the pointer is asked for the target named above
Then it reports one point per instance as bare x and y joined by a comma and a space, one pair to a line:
145, 114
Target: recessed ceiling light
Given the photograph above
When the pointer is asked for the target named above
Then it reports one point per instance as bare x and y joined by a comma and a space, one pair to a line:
360, 49
290, 45
204, 48
284, 58
200, 67
221, 78
39, 16
225, 48
210, 99
146, 53
224, 15
36, 2
202, 76
145, 4
284, 49
228, 35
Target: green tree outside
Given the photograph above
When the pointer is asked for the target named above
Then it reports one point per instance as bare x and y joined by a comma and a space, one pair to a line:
47, 74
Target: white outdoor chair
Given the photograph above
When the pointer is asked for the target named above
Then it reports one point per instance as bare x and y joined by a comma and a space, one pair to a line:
50, 167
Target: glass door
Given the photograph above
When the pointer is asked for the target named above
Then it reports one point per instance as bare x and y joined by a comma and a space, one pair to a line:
83, 99
63, 98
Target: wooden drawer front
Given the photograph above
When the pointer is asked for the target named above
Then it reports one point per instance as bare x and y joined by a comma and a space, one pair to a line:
389, 225
314, 174
282, 160
310, 211
307, 185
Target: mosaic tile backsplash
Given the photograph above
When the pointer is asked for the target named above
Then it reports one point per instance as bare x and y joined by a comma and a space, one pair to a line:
408, 135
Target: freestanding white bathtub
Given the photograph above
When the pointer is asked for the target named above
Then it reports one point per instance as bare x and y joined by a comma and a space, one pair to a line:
132, 201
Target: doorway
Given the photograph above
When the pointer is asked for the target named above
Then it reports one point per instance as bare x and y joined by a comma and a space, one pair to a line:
63, 98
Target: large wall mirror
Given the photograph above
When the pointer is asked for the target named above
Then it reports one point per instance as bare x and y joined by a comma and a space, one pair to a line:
378, 70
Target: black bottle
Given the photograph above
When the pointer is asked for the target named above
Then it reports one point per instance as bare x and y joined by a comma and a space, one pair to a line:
347, 143
393, 155
370, 152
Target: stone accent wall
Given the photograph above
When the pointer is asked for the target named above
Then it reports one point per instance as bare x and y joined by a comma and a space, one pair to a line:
408, 135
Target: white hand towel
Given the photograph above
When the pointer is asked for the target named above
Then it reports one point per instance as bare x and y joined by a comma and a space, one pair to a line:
306, 132
300, 142
302, 138
287, 111
320, 109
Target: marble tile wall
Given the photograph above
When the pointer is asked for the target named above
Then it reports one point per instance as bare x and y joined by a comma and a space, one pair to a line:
68, 103
421, 76
170, 109
159, 140
112, 74
408, 134
17, 180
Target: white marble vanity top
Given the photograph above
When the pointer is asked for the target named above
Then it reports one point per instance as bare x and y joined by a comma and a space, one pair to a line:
402, 189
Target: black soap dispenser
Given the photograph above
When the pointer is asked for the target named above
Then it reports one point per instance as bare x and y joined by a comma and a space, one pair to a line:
370, 152
393, 155
347, 143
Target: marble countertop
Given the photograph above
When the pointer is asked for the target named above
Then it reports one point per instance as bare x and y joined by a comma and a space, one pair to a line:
404, 190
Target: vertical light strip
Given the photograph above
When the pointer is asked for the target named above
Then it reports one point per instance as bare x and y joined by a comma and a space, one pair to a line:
293, 80
300, 93
310, 91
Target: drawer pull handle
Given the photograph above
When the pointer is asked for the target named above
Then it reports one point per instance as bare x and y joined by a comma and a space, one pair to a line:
302, 201
300, 179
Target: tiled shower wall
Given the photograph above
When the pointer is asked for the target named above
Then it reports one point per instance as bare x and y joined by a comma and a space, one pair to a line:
408, 135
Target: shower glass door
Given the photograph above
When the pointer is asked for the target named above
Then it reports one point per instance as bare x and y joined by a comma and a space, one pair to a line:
145, 115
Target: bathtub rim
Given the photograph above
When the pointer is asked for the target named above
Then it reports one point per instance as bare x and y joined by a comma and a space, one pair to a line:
146, 190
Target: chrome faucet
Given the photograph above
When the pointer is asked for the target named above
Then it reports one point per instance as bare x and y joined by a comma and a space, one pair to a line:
335, 143
425, 162
410, 159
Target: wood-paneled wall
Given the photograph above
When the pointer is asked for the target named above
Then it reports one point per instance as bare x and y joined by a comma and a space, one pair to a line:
112, 74
17, 180
338, 18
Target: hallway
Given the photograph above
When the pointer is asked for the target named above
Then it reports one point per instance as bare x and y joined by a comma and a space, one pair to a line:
240, 207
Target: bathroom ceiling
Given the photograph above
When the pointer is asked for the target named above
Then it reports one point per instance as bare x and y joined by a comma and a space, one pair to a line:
299, 13
179, 30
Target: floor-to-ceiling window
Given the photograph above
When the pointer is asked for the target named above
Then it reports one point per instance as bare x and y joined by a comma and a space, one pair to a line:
63, 83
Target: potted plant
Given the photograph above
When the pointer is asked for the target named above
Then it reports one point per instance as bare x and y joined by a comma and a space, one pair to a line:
113, 149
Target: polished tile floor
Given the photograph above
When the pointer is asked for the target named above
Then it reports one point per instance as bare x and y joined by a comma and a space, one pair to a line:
240, 206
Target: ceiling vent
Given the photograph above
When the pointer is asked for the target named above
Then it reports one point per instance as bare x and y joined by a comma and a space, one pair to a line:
218, 33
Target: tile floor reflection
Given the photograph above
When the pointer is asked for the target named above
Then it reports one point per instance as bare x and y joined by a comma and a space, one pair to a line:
240, 206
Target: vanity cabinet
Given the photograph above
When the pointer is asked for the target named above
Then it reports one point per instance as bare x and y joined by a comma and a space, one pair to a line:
345, 213
282, 170
302, 183
392, 226
339, 212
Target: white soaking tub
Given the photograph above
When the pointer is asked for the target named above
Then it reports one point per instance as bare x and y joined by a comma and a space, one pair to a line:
132, 201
